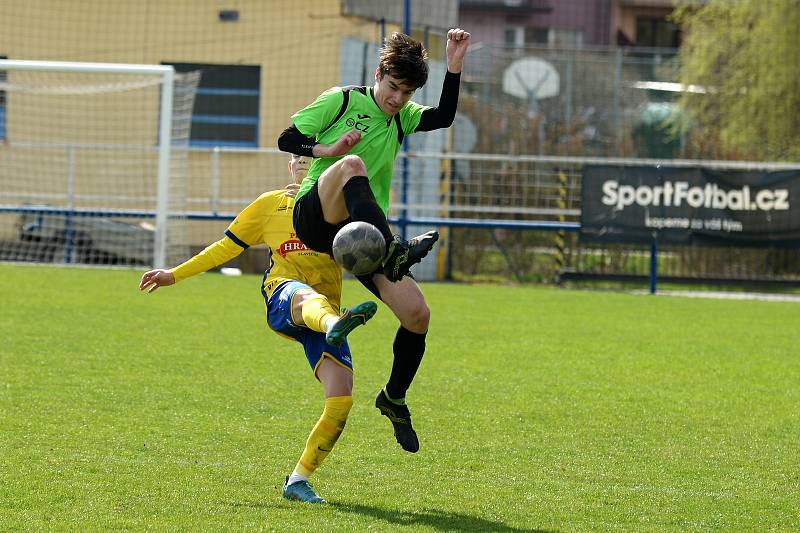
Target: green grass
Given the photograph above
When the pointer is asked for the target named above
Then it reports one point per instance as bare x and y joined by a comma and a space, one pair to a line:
537, 409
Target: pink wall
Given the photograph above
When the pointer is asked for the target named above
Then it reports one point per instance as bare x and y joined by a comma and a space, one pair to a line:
592, 17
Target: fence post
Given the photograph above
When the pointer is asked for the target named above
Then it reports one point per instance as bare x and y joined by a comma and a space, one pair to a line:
215, 180
617, 101
654, 263
403, 222
69, 233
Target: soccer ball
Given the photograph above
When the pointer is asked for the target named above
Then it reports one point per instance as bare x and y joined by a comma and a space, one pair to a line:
359, 248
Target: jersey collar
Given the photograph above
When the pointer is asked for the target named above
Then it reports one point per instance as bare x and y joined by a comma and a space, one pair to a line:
372, 96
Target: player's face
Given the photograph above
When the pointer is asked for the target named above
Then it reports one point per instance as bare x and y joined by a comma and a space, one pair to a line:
298, 166
390, 93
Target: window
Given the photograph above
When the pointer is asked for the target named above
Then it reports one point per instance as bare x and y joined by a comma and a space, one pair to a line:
226, 107
3, 79
511, 36
564, 37
526, 35
657, 33
538, 36
535, 35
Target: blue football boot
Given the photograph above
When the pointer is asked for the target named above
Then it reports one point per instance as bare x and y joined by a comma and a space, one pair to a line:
300, 491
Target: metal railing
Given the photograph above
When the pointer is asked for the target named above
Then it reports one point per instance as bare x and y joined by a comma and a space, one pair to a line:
505, 216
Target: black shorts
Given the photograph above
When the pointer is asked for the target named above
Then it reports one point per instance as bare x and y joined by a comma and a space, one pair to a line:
309, 223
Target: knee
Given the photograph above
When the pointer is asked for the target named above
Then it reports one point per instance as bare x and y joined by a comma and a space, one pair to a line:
418, 318
352, 165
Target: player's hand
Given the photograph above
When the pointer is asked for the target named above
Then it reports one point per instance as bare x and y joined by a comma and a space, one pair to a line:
457, 44
345, 143
154, 279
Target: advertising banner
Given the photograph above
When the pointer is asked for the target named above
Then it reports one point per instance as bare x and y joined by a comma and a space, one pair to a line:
685, 205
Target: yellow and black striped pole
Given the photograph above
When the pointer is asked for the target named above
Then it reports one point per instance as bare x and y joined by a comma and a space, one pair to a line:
562, 217
442, 256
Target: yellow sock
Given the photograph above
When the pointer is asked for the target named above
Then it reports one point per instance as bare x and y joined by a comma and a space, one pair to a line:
325, 434
316, 313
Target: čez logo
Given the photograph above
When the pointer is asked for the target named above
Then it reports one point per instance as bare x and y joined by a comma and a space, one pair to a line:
360, 126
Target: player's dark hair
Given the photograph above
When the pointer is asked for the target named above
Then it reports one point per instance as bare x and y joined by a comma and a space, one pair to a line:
405, 59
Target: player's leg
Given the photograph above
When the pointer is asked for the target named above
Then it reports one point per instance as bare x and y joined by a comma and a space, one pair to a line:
407, 302
332, 365
345, 194
337, 379
313, 310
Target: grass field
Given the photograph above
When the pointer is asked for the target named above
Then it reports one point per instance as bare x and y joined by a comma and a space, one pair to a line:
537, 409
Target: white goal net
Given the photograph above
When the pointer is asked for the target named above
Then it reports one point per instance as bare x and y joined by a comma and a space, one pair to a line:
93, 162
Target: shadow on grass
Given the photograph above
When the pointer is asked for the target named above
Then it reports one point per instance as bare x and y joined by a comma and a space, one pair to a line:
441, 520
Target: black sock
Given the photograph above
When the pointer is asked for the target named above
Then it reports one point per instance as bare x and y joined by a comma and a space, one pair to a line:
409, 348
361, 205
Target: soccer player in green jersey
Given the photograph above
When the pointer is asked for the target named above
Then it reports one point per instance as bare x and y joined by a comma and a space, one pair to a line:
354, 134
302, 289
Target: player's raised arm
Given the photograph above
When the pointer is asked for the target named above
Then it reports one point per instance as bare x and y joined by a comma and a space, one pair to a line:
457, 44
442, 116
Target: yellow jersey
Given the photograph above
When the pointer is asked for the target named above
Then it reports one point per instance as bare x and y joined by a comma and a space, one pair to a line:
268, 220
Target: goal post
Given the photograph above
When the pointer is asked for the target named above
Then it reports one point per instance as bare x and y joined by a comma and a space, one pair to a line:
164, 144
93, 162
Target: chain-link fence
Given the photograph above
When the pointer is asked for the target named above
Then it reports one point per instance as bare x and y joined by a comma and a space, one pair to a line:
614, 102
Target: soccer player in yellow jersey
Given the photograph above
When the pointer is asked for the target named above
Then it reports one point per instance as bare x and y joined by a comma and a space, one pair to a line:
302, 290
